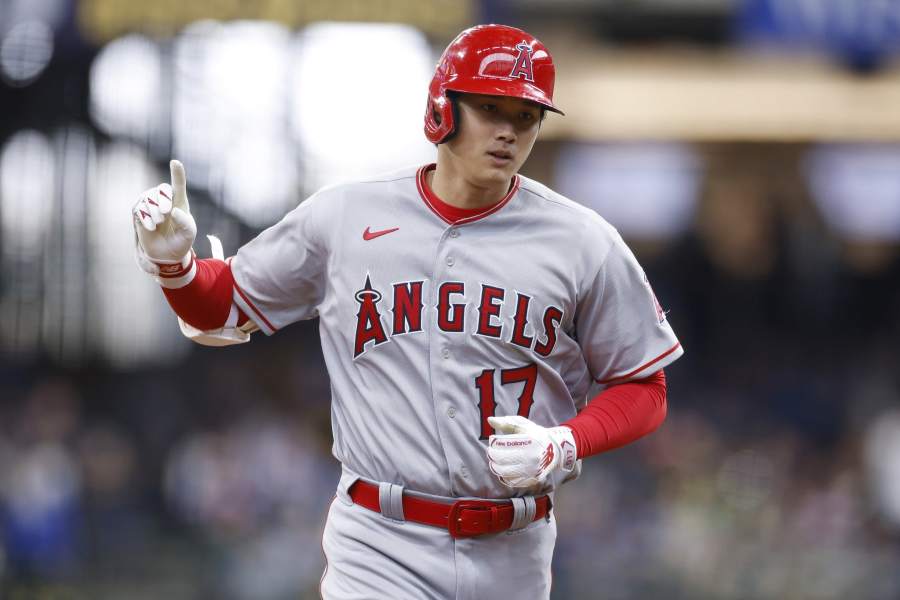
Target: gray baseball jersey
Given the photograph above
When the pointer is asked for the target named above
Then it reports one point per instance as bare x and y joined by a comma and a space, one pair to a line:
429, 327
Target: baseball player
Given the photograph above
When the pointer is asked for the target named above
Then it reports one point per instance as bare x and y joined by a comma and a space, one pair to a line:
482, 335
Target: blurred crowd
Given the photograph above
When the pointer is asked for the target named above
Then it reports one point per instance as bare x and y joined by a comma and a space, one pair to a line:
135, 465
197, 481
774, 476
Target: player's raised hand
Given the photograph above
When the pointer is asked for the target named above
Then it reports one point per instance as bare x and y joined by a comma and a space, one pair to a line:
524, 454
163, 225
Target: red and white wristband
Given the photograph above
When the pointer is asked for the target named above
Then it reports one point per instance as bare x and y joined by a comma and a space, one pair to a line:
177, 275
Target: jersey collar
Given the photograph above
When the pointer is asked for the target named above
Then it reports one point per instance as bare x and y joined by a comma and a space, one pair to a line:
453, 215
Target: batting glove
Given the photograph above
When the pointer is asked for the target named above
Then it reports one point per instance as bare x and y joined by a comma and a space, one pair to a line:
526, 454
164, 230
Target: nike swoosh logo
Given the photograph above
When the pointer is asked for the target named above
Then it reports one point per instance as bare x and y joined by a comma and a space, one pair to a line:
371, 235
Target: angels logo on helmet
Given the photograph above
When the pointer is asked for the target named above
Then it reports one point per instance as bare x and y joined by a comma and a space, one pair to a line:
523, 67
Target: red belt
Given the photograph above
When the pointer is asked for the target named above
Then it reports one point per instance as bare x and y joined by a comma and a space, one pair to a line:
463, 518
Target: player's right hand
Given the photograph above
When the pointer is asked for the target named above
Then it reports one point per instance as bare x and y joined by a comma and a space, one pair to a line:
523, 454
163, 225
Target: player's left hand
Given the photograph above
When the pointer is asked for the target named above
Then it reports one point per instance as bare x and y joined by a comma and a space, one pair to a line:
525, 453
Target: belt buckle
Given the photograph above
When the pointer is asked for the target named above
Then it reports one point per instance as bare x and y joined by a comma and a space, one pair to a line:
454, 520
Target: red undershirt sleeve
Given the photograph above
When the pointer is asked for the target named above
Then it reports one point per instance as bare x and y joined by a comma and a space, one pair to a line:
206, 301
620, 415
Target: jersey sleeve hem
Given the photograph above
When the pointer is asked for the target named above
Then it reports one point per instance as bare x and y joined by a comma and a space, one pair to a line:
250, 309
657, 363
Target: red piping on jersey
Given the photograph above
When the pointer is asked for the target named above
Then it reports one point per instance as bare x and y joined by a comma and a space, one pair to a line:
433, 202
640, 368
253, 307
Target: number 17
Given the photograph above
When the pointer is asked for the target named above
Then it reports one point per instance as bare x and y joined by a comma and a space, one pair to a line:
486, 402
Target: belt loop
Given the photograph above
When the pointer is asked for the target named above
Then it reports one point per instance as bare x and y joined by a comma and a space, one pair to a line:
524, 510
390, 500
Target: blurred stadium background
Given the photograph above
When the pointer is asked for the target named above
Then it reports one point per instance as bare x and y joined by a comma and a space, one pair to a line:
749, 150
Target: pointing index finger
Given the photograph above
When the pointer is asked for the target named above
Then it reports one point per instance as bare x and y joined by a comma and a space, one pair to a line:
179, 185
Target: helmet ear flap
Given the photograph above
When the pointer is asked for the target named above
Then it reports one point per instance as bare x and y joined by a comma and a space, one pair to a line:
441, 116
453, 111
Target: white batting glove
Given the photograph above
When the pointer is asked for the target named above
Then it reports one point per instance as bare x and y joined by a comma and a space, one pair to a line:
526, 454
164, 231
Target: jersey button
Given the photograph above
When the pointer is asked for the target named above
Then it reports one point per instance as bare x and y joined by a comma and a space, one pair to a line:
464, 472
451, 412
454, 233
445, 352
450, 261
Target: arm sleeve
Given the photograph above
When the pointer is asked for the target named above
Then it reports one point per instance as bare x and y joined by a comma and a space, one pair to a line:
621, 327
206, 301
620, 415
279, 277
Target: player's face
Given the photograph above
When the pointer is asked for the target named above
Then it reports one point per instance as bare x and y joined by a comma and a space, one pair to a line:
495, 136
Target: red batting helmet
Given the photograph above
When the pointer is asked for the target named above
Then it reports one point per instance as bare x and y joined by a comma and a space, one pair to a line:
496, 60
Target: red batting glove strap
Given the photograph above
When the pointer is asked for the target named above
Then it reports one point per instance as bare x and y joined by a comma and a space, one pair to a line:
205, 302
620, 415
176, 270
